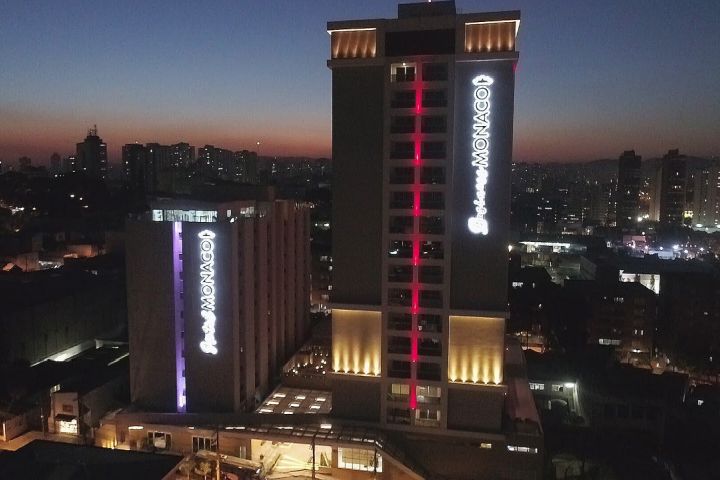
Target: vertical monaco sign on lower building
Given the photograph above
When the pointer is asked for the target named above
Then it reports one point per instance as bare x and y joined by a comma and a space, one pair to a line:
208, 344
478, 223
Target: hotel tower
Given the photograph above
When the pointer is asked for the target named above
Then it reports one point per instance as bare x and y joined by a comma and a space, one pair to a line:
422, 132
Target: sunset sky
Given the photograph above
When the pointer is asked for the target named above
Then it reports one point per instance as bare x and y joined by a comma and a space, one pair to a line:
594, 78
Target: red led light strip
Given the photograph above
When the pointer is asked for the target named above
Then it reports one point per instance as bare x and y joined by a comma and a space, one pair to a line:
416, 251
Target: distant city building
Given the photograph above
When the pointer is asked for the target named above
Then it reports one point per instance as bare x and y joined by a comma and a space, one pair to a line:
92, 155
70, 164
55, 163
24, 163
706, 195
137, 169
671, 189
182, 155
622, 315
218, 298
628, 189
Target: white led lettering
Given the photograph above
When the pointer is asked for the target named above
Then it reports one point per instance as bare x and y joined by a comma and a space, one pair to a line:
207, 291
478, 223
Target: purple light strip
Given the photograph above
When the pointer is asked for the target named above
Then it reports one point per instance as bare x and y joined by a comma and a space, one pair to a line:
179, 323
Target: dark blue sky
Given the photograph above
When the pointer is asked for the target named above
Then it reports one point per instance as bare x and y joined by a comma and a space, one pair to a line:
595, 77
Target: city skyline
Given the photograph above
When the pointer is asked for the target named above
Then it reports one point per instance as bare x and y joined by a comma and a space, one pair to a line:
144, 77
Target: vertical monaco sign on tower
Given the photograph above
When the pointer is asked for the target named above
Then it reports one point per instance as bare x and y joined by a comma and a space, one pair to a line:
207, 291
478, 224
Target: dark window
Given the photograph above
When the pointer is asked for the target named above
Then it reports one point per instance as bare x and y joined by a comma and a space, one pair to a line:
399, 369
399, 297
430, 347
435, 72
430, 323
400, 273
432, 225
432, 200
428, 371
403, 99
401, 225
420, 42
432, 176
431, 299
431, 274
398, 415
402, 150
433, 124
401, 200
402, 175
434, 98
402, 124
433, 150
399, 345
399, 321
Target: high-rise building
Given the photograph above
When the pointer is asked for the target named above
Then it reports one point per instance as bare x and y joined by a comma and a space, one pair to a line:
182, 154
70, 164
671, 188
628, 189
422, 143
218, 298
92, 155
55, 163
706, 195
136, 168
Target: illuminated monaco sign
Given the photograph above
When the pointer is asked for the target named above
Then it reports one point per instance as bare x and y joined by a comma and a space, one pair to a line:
207, 291
478, 223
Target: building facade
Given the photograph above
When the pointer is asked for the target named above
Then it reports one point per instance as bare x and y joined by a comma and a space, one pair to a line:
92, 155
422, 146
228, 302
628, 189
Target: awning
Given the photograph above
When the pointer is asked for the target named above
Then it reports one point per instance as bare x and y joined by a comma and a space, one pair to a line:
63, 417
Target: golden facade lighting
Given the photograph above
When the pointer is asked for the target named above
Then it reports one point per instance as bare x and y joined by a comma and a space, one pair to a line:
476, 350
356, 342
484, 37
354, 43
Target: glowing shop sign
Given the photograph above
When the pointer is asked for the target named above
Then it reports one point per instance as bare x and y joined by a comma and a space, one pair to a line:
207, 291
478, 224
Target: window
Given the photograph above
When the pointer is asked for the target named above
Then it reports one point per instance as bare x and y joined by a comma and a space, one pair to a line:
435, 72
403, 99
537, 386
429, 347
428, 394
402, 150
399, 369
398, 392
402, 176
401, 225
433, 98
431, 274
400, 249
432, 176
557, 388
159, 440
432, 225
401, 200
203, 443
430, 323
400, 273
428, 371
432, 250
431, 298
433, 150
403, 73
427, 416
399, 321
402, 124
432, 200
433, 124
399, 297
398, 415
399, 345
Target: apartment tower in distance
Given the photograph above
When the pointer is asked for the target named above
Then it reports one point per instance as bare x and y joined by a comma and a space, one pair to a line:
92, 155
422, 127
628, 189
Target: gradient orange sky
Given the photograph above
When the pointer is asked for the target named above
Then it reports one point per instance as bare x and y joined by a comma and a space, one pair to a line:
593, 80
